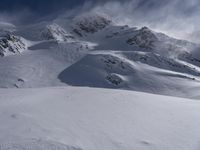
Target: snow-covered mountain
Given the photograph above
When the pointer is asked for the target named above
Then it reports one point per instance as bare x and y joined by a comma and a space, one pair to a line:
105, 54
70, 84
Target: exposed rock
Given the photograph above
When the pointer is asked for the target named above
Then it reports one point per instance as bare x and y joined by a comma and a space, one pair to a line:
144, 38
89, 24
55, 32
114, 79
11, 44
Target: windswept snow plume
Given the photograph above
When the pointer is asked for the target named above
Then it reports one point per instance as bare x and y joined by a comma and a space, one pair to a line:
178, 18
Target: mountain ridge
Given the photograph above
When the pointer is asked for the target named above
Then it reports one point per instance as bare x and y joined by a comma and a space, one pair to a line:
101, 51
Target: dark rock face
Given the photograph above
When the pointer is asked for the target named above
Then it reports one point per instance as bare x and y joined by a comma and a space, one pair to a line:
90, 24
55, 32
114, 79
144, 38
11, 44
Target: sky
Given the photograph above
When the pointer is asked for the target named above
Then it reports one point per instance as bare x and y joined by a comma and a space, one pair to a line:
37, 6
42, 7
179, 18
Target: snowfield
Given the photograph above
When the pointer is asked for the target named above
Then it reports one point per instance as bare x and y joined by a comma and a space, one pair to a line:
74, 118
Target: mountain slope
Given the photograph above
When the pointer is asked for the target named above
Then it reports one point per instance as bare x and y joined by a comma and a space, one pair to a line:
114, 70
91, 50
88, 118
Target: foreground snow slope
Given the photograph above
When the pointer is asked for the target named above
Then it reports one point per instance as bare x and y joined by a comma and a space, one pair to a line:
96, 119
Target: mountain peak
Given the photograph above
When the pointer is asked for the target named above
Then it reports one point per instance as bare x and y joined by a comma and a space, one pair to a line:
144, 28
89, 23
144, 38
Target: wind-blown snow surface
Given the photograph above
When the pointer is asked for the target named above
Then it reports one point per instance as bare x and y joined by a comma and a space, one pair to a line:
74, 118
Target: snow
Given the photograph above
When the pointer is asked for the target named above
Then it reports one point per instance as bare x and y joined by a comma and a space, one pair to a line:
40, 110
38, 68
98, 66
106, 56
96, 119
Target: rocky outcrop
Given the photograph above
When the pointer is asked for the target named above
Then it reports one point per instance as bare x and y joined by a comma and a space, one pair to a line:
55, 32
144, 38
10, 44
89, 24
